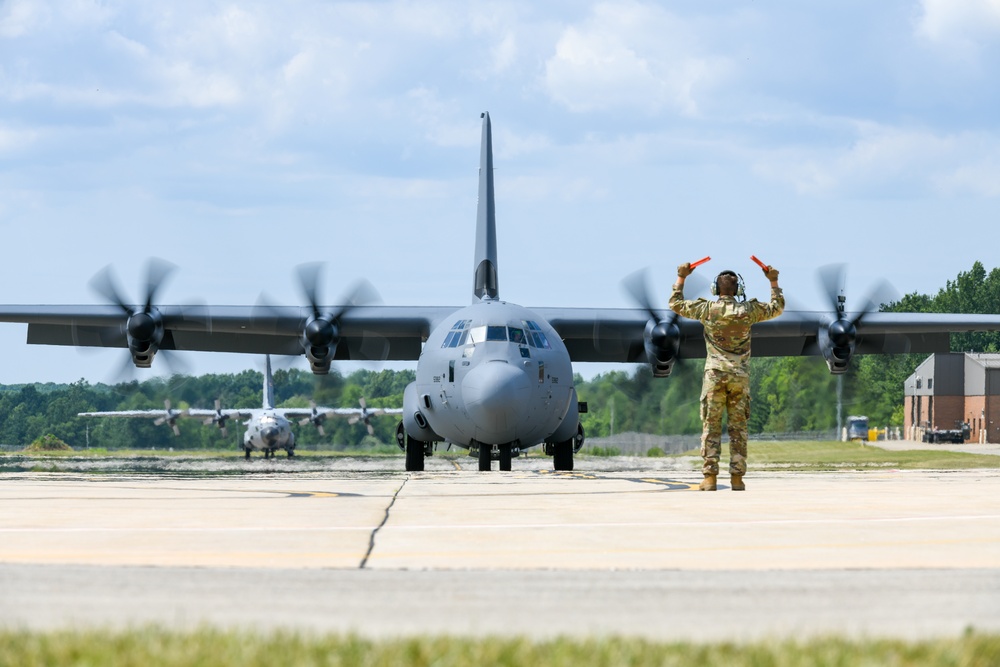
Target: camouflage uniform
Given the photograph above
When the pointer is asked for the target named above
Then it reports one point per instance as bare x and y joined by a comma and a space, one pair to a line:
726, 387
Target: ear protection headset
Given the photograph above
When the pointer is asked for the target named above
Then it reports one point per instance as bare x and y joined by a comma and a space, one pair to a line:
740, 287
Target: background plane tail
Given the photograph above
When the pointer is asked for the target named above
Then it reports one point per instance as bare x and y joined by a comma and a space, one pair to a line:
486, 285
268, 383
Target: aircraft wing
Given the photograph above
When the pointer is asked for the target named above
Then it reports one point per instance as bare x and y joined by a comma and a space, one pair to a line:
617, 334
396, 333
229, 413
161, 414
336, 412
367, 332
149, 414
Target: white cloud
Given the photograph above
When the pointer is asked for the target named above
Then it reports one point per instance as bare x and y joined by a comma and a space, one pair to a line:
632, 56
962, 26
13, 140
891, 161
19, 17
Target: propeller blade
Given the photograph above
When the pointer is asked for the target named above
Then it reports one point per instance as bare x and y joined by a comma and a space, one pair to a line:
106, 286
309, 275
882, 292
361, 293
831, 279
636, 284
157, 272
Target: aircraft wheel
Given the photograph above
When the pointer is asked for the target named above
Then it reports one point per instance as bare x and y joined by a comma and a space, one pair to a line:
246, 451
562, 459
414, 455
485, 457
291, 453
505, 456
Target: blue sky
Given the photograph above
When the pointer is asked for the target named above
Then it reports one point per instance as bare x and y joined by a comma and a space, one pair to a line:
238, 140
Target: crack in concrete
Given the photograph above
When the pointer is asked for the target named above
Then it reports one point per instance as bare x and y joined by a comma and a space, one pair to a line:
371, 538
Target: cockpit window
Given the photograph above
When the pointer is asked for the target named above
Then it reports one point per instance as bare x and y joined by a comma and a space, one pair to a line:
538, 338
458, 334
530, 334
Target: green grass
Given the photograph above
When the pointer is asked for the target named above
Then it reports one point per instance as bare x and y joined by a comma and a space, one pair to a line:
150, 647
763, 455
820, 456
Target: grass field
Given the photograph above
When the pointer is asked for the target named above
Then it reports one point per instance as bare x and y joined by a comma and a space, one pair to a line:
763, 455
857, 456
151, 647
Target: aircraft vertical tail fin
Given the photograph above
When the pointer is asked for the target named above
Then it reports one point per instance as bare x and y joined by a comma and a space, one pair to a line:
268, 383
486, 285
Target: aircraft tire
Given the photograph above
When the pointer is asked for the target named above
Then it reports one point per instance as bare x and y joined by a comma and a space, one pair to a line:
485, 457
562, 459
505, 457
414, 455
291, 453
246, 451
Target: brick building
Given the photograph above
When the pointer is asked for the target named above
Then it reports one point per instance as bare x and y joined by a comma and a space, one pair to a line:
948, 389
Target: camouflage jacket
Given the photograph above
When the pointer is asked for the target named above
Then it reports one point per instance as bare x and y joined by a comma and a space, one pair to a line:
727, 325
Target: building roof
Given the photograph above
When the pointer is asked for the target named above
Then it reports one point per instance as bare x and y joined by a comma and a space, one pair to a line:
985, 359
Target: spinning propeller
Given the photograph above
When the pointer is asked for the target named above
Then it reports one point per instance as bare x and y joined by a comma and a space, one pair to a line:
143, 328
662, 338
322, 333
838, 339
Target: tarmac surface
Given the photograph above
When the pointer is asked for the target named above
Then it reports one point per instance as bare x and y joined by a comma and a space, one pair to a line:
622, 546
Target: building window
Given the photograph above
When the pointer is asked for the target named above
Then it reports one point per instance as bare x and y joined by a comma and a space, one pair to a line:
930, 383
919, 383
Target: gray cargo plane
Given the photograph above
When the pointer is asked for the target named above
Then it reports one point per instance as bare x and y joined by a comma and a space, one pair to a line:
268, 428
492, 377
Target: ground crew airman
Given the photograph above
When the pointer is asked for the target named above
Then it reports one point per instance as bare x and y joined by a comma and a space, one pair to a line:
726, 386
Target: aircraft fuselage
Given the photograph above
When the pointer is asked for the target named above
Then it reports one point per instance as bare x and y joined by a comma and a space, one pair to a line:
495, 373
268, 431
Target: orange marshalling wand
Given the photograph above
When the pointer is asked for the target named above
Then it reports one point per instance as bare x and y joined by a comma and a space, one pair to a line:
759, 263
700, 262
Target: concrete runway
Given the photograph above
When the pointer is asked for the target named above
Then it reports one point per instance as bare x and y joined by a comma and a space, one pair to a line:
623, 546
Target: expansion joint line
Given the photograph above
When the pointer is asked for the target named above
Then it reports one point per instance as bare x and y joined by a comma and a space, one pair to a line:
371, 538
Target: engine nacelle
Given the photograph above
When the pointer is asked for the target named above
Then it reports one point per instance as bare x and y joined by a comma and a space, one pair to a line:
662, 341
837, 343
144, 333
414, 420
319, 342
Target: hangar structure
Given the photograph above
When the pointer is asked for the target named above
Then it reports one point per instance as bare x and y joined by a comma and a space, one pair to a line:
947, 390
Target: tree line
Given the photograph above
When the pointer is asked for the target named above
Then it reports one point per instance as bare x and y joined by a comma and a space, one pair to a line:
789, 394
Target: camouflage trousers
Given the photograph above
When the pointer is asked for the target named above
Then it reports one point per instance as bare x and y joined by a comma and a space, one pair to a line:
724, 393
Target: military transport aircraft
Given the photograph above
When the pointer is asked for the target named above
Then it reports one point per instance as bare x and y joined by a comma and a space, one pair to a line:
492, 377
268, 428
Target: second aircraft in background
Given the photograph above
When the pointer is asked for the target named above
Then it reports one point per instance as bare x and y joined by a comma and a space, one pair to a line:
268, 428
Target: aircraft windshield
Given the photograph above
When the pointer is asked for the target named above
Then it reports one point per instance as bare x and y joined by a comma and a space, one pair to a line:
458, 335
528, 334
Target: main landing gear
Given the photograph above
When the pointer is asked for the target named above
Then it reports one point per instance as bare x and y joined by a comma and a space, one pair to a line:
268, 453
415, 450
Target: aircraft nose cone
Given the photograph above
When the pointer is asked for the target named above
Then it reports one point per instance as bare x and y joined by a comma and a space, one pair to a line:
270, 435
496, 396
